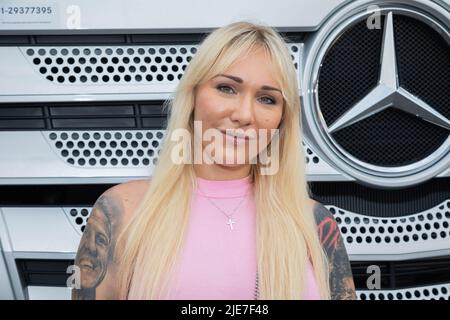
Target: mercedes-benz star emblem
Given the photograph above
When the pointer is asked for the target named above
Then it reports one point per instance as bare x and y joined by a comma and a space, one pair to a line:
388, 93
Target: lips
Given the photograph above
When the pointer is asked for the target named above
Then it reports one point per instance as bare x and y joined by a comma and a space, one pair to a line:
233, 140
235, 136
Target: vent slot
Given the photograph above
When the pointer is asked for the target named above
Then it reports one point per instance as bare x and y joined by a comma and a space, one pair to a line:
86, 39
51, 195
404, 274
83, 115
51, 273
368, 201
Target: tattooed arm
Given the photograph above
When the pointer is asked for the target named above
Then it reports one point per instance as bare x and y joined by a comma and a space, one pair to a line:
341, 279
95, 256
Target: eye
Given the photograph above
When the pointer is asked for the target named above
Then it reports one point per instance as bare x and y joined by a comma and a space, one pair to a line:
101, 240
269, 100
224, 88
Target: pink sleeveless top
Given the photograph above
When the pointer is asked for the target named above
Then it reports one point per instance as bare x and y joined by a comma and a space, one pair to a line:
218, 261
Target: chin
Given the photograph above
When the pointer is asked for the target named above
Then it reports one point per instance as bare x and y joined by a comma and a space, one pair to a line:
229, 165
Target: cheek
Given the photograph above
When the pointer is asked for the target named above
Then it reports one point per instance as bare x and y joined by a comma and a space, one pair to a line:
270, 119
208, 108
271, 123
267, 120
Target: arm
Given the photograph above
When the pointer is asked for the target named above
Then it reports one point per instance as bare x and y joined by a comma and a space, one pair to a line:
96, 251
341, 279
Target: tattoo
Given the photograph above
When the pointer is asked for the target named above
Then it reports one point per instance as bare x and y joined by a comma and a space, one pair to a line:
329, 233
341, 279
95, 255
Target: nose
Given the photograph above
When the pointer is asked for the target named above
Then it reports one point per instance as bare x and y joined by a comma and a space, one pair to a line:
90, 244
243, 113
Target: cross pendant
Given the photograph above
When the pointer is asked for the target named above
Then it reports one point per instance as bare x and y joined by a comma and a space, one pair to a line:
230, 222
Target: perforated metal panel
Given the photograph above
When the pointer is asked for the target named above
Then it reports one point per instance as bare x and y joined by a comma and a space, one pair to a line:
310, 156
112, 64
417, 233
132, 64
435, 292
78, 217
107, 148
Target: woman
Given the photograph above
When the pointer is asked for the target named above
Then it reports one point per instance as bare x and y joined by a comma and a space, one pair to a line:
215, 228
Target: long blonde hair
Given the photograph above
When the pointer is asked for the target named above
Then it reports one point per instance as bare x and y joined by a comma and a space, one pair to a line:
286, 232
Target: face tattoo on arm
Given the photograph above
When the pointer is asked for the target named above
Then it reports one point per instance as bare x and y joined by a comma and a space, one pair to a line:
95, 255
342, 286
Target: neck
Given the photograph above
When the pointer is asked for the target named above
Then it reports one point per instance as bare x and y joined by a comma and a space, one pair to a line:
221, 172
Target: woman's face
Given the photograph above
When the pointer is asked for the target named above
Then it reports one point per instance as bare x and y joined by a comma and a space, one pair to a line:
246, 96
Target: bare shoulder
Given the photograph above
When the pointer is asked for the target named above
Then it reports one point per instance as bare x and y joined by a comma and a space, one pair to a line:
130, 194
132, 185
96, 256
319, 210
341, 278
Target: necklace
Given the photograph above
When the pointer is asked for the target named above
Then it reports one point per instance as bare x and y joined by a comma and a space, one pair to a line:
229, 216
257, 286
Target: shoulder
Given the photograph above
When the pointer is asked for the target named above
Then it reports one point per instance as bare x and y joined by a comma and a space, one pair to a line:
126, 195
96, 256
118, 202
321, 213
319, 209
129, 190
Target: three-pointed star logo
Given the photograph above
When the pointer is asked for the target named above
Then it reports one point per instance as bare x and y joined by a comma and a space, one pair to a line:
388, 93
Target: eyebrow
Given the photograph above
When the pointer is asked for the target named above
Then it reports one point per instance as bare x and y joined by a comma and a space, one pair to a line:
239, 80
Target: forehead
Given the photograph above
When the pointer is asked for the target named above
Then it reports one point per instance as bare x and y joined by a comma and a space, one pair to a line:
256, 68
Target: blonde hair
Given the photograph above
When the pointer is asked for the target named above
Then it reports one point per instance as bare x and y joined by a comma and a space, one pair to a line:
286, 232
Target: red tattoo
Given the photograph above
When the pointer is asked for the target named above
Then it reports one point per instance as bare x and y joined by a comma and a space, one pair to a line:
329, 232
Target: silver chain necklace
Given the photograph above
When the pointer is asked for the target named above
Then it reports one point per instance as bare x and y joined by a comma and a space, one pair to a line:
256, 286
229, 216
230, 223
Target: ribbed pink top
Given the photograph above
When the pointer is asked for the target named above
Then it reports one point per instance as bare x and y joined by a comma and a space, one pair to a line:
217, 262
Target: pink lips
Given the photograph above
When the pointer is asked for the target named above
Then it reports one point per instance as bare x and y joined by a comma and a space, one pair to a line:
233, 139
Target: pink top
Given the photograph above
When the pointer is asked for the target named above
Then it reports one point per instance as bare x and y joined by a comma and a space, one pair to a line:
217, 262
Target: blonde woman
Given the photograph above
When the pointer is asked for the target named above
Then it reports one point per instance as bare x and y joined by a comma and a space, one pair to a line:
221, 229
